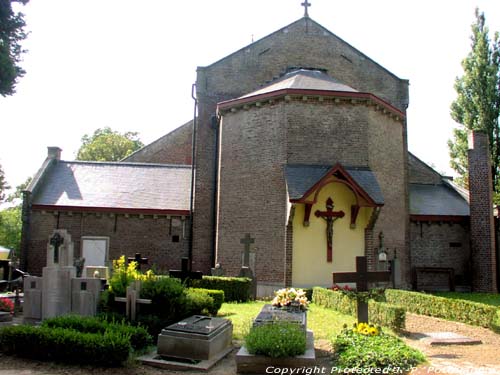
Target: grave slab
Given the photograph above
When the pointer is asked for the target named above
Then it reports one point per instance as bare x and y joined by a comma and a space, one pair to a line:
32, 305
247, 363
449, 338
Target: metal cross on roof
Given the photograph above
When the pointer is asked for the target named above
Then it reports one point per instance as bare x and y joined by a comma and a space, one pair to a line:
306, 5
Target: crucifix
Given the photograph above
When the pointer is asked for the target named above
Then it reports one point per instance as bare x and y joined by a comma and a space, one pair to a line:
56, 241
185, 273
247, 241
306, 5
330, 217
361, 277
140, 260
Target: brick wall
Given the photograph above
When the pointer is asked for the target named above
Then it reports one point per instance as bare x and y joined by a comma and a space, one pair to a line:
152, 237
421, 173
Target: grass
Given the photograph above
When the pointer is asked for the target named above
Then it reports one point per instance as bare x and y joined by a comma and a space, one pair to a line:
486, 298
325, 323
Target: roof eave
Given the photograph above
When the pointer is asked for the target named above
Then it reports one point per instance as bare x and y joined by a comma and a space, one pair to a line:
112, 210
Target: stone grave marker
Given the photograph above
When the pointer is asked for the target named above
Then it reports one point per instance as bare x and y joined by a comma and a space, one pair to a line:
132, 300
245, 270
32, 306
85, 296
185, 273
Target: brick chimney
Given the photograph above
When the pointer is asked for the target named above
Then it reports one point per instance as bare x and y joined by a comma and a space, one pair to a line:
484, 275
54, 153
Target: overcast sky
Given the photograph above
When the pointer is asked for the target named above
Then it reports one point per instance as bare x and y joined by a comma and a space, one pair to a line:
130, 64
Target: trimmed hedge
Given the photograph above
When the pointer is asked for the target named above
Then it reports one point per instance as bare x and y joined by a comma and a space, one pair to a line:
65, 345
236, 289
385, 314
276, 340
217, 296
452, 309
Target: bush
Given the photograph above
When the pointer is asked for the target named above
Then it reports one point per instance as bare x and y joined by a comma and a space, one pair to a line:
452, 309
236, 289
167, 296
65, 345
137, 336
368, 353
276, 340
217, 296
198, 302
385, 314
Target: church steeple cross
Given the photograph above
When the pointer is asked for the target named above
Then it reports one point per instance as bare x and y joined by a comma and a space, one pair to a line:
330, 217
306, 5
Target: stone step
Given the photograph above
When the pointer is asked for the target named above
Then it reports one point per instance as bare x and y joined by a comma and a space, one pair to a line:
449, 338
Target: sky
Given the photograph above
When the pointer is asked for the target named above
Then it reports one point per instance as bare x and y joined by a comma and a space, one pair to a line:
130, 64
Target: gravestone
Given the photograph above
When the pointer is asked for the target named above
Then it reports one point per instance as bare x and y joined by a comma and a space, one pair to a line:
270, 314
85, 295
217, 270
132, 300
32, 305
185, 273
57, 275
138, 259
196, 338
245, 270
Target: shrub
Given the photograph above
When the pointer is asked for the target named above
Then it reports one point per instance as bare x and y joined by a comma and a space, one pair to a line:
385, 314
198, 302
236, 289
217, 296
370, 354
65, 345
167, 296
276, 340
452, 309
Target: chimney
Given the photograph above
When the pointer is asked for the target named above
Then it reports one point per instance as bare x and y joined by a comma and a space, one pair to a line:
54, 153
482, 232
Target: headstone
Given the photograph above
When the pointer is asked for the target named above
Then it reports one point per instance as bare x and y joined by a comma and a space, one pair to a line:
32, 305
85, 295
217, 270
132, 300
185, 273
195, 338
56, 296
270, 314
247, 272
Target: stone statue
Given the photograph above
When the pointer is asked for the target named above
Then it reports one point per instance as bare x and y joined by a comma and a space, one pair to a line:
79, 264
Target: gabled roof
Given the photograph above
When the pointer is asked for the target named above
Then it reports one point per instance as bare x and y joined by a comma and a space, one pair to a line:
105, 186
436, 200
302, 180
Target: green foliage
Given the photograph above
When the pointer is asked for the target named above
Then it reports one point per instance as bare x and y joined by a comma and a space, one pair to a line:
12, 33
123, 275
108, 145
477, 106
385, 314
217, 296
452, 309
198, 302
65, 345
167, 296
486, 298
235, 289
138, 336
10, 228
3, 184
367, 353
276, 340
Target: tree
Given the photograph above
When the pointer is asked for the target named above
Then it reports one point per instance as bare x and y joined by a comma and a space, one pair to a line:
477, 106
12, 33
3, 185
108, 145
10, 228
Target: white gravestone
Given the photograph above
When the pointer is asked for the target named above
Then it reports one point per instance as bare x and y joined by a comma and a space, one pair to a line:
32, 305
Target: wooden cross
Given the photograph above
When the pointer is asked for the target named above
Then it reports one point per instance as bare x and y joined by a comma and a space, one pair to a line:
330, 216
56, 241
361, 277
132, 300
247, 241
137, 258
185, 273
306, 5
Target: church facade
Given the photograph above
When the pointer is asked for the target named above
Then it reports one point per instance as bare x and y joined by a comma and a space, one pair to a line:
300, 157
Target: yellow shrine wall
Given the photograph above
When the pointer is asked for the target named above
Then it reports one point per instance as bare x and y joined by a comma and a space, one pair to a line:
309, 265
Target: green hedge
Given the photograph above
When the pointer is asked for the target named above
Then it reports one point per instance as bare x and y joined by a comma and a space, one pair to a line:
65, 345
385, 314
276, 340
452, 309
138, 336
236, 289
217, 296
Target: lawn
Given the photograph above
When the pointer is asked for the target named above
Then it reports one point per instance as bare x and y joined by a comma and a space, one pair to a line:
486, 298
324, 322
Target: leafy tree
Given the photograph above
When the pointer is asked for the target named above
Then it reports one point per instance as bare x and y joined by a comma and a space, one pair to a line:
12, 33
3, 184
108, 145
10, 228
477, 106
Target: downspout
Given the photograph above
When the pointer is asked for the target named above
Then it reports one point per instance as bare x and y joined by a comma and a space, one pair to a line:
193, 177
215, 121
25, 230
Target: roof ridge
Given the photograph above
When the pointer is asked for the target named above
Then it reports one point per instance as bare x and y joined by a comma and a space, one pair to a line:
125, 164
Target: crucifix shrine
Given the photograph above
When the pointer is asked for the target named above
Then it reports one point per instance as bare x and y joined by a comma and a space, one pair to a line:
330, 217
306, 5
247, 241
361, 277
140, 260
185, 273
56, 241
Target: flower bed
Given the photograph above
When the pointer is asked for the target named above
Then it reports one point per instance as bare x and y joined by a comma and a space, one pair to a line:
277, 340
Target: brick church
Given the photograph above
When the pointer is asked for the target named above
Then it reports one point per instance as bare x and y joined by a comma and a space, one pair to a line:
300, 164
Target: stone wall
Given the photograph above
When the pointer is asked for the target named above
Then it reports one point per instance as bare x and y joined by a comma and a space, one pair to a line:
150, 236
421, 173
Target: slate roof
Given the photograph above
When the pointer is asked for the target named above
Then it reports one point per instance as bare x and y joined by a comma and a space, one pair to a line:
134, 186
437, 200
303, 79
300, 178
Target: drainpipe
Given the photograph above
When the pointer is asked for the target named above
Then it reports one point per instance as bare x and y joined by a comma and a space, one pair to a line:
215, 121
193, 176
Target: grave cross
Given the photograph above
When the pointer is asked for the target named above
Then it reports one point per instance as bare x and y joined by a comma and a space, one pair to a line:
330, 216
132, 300
140, 260
247, 241
306, 5
361, 277
185, 273
56, 241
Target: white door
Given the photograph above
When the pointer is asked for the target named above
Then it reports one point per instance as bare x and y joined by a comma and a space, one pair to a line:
95, 251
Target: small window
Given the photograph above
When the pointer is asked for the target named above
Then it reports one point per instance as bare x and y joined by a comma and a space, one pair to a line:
455, 244
175, 238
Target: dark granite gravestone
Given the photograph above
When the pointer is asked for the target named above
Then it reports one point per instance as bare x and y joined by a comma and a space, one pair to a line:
270, 314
